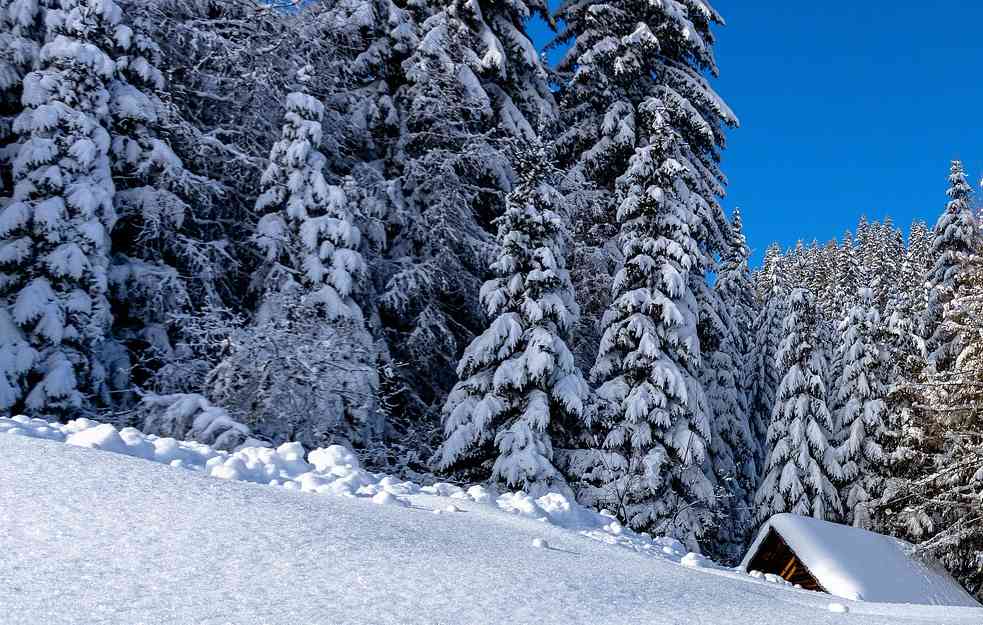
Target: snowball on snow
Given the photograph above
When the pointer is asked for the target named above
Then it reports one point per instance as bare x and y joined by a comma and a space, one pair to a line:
539, 543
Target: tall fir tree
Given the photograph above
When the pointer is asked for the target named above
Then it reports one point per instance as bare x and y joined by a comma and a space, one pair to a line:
919, 253
934, 502
847, 274
160, 269
956, 238
649, 356
765, 369
22, 33
802, 466
520, 389
307, 233
861, 393
312, 271
890, 249
764, 277
727, 383
55, 231
645, 129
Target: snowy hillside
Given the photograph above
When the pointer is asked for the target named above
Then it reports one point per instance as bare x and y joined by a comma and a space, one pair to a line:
88, 536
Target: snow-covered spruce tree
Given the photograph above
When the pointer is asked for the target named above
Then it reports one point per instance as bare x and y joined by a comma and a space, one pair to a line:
640, 118
908, 454
765, 372
305, 369
622, 53
802, 464
827, 303
847, 274
461, 86
22, 33
307, 233
657, 420
160, 268
727, 383
764, 277
520, 389
794, 264
956, 239
890, 248
919, 254
861, 421
936, 502
55, 232
736, 290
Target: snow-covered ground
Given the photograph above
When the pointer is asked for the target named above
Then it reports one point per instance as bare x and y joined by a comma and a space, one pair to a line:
93, 537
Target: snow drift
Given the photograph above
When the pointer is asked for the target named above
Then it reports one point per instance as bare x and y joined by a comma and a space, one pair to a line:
104, 538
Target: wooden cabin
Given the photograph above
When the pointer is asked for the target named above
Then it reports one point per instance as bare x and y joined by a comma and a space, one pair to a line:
850, 563
775, 556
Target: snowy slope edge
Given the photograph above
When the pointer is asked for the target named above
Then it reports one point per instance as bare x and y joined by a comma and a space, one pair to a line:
335, 470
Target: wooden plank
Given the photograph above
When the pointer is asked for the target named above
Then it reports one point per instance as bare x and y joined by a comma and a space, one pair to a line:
789, 569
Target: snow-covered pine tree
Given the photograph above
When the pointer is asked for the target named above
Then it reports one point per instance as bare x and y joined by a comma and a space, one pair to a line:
802, 464
764, 278
649, 355
847, 274
727, 385
312, 268
160, 269
611, 68
463, 83
795, 265
736, 290
956, 239
765, 370
827, 303
907, 454
890, 248
22, 33
307, 233
861, 421
520, 389
866, 247
55, 232
935, 503
919, 254
640, 118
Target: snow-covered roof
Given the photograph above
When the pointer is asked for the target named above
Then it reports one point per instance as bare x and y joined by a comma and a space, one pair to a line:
857, 564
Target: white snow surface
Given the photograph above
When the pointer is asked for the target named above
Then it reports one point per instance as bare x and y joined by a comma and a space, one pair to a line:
856, 564
93, 537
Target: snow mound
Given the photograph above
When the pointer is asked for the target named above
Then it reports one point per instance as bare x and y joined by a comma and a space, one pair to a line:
179, 546
336, 471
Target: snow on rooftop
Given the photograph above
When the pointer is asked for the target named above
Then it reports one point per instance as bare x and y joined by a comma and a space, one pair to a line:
857, 564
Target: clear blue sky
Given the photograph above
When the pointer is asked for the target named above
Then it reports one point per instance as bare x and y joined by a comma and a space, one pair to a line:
846, 108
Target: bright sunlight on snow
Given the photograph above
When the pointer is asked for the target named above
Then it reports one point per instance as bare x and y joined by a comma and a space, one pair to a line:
142, 542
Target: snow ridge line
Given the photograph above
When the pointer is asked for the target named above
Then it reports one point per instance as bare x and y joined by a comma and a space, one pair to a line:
335, 470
